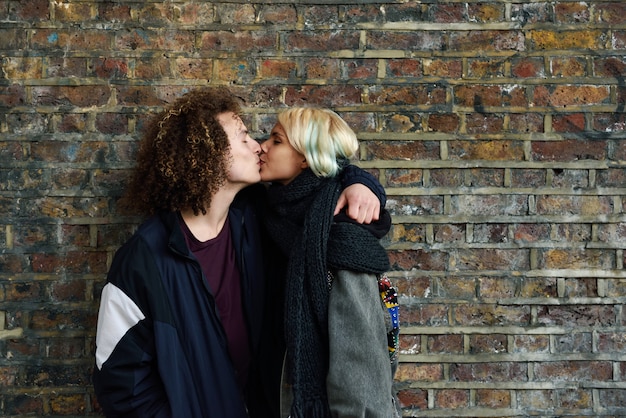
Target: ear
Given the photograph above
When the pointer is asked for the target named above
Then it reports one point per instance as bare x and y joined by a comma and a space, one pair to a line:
304, 164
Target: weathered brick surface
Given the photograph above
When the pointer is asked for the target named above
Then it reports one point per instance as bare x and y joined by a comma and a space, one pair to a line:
497, 128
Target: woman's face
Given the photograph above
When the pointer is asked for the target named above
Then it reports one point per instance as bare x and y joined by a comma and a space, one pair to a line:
280, 162
244, 151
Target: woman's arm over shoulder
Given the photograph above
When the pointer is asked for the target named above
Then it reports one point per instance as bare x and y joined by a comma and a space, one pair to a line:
353, 174
359, 381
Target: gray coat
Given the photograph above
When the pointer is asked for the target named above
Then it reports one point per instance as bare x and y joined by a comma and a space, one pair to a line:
360, 377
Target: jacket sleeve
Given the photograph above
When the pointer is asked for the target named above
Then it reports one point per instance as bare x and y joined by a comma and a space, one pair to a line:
125, 376
353, 174
359, 381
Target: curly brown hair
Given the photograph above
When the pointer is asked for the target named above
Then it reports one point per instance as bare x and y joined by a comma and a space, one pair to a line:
183, 156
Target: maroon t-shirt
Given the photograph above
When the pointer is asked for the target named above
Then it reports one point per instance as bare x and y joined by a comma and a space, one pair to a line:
217, 259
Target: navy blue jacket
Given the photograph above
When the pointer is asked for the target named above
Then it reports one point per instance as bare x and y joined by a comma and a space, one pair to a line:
161, 349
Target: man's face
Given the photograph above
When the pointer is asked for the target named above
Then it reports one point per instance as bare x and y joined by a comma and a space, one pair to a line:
244, 151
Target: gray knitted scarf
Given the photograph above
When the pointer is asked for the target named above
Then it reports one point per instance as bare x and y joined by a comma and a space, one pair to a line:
300, 221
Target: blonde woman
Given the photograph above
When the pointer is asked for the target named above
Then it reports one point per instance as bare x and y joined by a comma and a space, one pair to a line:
337, 354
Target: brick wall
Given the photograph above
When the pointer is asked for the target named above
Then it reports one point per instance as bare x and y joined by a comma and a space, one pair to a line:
496, 126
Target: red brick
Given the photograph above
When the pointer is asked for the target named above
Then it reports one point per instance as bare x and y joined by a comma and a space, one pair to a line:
485, 177
480, 123
485, 12
401, 150
575, 371
12, 95
428, 314
489, 372
81, 96
322, 68
23, 292
364, 13
53, 319
360, 69
487, 41
404, 177
68, 291
30, 10
405, 41
413, 398
449, 233
415, 205
483, 68
581, 316
411, 95
568, 67
572, 13
404, 68
153, 68
528, 67
531, 232
326, 96
491, 233
581, 288
491, 343
155, 14
278, 14
66, 67
111, 123
611, 13
534, 288
530, 344
72, 123
405, 233
402, 123
275, 68
615, 398
574, 205
321, 15
493, 398
424, 260
71, 39
244, 41
23, 404
68, 404
568, 150
574, 232
485, 205
546, 39
448, 13
114, 12
419, 372
452, 398
413, 286
71, 12
448, 68
321, 41
448, 123
576, 398
446, 177
491, 315
569, 123
611, 123
236, 13
456, 288
450, 344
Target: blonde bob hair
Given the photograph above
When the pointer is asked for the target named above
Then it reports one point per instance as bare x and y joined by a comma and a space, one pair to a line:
321, 136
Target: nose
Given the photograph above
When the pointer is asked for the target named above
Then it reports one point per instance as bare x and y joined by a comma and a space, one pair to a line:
256, 148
